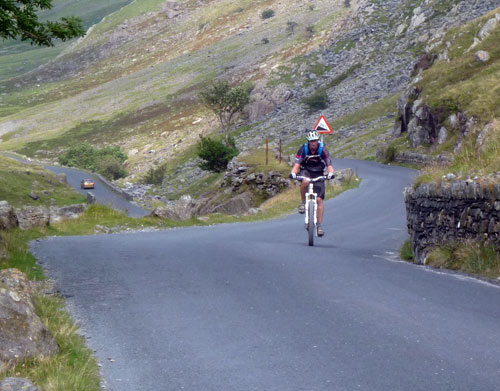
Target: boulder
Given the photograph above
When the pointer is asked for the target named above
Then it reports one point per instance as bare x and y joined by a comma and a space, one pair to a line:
180, 210
17, 384
235, 206
33, 216
91, 198
22, 334
66, 212
8, 217
482, 56
61, 177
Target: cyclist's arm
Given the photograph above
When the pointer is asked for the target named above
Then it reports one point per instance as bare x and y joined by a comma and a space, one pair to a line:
326, 158
298, 160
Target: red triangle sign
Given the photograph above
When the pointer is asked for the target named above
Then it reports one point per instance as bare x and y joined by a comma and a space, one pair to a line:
322, 126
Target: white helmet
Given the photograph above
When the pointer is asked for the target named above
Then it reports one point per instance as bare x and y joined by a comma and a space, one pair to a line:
312, 135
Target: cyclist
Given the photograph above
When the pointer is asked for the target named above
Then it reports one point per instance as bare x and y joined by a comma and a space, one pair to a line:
311, 160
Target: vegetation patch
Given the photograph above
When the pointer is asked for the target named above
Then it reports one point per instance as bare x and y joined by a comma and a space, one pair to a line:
18, 181
481, 258
107, 161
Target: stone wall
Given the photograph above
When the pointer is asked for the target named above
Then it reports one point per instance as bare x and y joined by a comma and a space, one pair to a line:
450, 212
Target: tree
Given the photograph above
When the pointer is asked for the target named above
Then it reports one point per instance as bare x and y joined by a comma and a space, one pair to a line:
19, 20
226, 101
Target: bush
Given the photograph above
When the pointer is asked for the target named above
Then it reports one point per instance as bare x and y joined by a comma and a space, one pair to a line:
111, 167
267, 14
389, 153
107, 161
155, 175
215, 153
317, 101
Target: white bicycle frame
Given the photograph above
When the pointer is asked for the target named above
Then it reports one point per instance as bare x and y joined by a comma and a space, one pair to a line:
311, 196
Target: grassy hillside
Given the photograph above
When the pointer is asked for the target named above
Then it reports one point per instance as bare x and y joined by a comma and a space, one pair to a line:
17, 58
134, 79
18, 180
464, 84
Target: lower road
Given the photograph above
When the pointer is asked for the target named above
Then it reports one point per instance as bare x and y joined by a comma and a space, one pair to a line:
252, 307
104, 193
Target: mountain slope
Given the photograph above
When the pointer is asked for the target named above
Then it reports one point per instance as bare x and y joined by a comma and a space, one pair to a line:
134, 79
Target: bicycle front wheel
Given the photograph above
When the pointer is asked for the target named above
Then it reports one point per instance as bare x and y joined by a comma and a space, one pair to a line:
310, 223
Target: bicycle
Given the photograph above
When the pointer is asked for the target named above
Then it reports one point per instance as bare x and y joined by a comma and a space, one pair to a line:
311, 207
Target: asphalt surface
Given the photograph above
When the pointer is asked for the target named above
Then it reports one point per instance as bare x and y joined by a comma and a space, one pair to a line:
103, 192
252, 307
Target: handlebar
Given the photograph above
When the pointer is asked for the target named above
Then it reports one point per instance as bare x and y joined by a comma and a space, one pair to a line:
320, 178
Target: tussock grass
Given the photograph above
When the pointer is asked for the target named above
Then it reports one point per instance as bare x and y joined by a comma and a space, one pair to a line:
471, 256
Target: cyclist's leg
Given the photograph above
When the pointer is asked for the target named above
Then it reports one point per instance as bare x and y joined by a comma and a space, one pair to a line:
304, 185
321, 210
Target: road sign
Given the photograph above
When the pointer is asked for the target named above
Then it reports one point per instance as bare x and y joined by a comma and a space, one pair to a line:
322, 126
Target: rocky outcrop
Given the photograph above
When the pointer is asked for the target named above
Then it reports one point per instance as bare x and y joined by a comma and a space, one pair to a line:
17, 384
33, 216
66, 212
238, 174
180, 210
452, 211
265, 100
8, 218
22, 334
36, 216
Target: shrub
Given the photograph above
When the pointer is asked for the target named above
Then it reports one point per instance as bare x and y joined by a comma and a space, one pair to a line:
215, 153
290, 26
310, 31
267, 14
155, 175
111, 167
317, 101
107, 161
389, 153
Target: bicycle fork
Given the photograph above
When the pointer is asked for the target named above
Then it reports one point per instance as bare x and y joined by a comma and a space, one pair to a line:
311, 197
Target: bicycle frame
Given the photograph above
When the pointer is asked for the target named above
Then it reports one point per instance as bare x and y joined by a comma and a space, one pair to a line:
311, 196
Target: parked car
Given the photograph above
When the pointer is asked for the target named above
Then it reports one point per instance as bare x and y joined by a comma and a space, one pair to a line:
87, 184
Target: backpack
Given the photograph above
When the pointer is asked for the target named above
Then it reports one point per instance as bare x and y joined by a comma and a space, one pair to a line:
306, 149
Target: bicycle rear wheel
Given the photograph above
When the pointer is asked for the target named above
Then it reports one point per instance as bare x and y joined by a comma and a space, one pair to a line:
310, 223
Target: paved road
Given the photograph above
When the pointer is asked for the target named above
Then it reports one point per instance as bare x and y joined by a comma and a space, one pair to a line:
251, 307
104, 194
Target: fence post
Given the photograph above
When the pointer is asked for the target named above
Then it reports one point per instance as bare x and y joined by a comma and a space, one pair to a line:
267, 151
280, 151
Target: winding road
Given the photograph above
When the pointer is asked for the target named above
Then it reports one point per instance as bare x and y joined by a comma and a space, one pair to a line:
103, 192
251, 307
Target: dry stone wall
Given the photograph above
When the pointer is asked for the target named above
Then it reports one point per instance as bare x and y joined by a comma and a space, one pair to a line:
452, 212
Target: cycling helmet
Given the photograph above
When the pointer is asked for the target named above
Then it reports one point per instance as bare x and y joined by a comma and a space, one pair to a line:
312, 135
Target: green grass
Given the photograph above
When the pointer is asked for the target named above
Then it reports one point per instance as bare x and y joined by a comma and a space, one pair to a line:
473, 257
406, 251
18, 180
74, 368
464, 83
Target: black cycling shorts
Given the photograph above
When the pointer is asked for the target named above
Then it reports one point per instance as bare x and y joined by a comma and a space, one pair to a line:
319, 186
